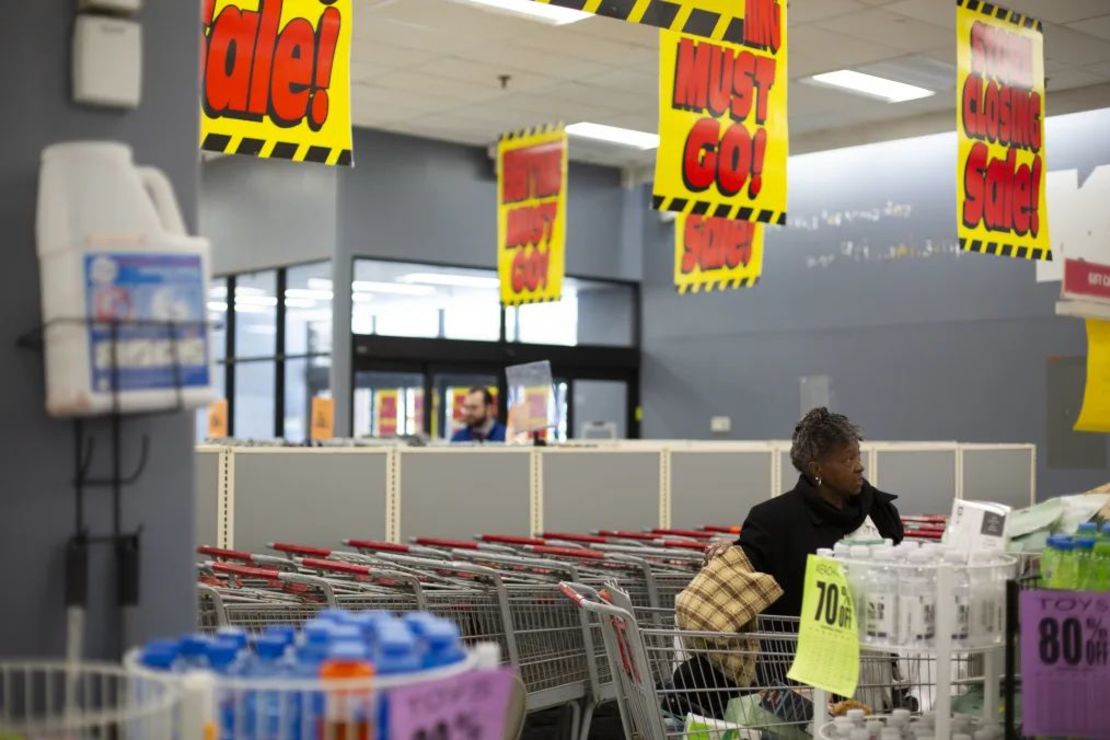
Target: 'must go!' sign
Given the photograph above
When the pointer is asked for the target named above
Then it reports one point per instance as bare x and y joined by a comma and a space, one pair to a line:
276, 79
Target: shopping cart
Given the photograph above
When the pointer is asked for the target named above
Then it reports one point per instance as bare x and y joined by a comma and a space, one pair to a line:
673, 683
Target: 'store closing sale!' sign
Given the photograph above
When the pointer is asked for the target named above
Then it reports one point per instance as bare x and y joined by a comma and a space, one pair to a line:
531, 214
1001, 170
276, 79
723, 131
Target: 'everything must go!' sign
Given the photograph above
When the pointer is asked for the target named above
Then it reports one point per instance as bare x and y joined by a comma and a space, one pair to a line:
276, 79
1000, 190
724, 139
531, 214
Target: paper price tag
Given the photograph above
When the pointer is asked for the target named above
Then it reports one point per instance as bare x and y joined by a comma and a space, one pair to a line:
217, 419
471, 706
323, 418
828, 637
1065, 663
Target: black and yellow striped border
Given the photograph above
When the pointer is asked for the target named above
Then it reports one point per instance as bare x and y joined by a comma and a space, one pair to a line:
527, 133
684, 16
1017, 251
530, 301
1002, 14
718, 210
227, 144
717, 285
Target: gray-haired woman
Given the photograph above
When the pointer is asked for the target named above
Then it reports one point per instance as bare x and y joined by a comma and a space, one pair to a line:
831, 500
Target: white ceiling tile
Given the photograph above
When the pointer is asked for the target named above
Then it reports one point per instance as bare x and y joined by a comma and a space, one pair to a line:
814, 49
941, 14
453, 67
1058, 11
807, 11
604, 70
1102, 69
891, 29
1099, 27
1071, 78
1071, 47
615, 30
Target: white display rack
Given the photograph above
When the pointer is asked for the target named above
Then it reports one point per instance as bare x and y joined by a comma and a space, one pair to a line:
943, 652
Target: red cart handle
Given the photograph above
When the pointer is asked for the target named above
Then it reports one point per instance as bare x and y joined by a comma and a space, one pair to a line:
244, 570
624, 535
303, 550
567, 552
571, 537
445, 542
683, 533
511, 539
684, 545
336, 566
377, 546
223, 552
721, 530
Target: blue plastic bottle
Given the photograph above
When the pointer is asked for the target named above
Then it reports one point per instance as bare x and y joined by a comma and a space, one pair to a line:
159, 657
286, 632
238, 635
396, 651
443, 644
338, 616
235, 717
1086, 528
367, 623
193, 651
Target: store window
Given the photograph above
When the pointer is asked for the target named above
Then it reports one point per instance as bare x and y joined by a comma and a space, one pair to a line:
279, 356
591, 312
403, 299
255, 307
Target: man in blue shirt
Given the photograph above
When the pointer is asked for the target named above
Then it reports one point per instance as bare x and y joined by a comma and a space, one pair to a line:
481, 423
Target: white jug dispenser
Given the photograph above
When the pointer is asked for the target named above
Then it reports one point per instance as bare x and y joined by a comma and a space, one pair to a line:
123, 286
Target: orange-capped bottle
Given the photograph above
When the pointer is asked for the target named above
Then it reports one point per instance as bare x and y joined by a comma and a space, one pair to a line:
349, 709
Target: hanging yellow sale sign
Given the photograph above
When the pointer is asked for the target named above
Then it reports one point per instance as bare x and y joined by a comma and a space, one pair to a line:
723, 133
1001, 171
275, 79
712, 19
531, 214
716, 253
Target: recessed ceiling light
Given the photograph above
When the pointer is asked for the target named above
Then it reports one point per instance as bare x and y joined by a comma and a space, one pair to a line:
542, 12
872, 86
614, 135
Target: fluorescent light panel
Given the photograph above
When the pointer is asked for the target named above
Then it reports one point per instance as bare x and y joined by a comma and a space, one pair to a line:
614, 135
375, 286
872, 86
450, 280
550, 14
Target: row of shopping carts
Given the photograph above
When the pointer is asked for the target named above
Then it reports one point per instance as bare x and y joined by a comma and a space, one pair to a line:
498, 588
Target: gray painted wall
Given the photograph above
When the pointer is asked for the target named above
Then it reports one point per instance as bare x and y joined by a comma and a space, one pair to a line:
36, 453
935, 344
261, 213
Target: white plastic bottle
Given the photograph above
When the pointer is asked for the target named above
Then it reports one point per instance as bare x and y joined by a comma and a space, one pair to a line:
961, 599
115, 263
859, 567
917, 602
881, 606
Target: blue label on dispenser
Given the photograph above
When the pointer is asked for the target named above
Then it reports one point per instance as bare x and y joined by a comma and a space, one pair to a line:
147, 326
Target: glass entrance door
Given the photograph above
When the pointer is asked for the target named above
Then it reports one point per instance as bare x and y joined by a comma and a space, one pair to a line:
388, 404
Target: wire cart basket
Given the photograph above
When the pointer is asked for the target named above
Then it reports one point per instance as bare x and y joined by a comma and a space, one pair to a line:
68, 700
